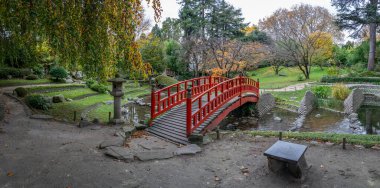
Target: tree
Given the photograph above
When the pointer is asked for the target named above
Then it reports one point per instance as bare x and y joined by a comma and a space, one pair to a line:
298, 31
324, 49
172, 57
354, 15
171, 30
152, 53
95, 36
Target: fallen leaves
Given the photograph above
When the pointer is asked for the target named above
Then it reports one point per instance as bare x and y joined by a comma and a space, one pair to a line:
10, 174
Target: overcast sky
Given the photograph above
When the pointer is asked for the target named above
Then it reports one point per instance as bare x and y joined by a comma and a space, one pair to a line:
253, 10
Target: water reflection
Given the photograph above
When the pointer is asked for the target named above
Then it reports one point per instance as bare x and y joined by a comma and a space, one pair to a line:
134, 112
369, 116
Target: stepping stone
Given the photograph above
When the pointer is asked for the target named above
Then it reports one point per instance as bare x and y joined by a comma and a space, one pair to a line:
188, 150
115, 142
120, 153
151, 155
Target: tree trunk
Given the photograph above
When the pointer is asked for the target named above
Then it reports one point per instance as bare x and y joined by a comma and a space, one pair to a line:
372, 46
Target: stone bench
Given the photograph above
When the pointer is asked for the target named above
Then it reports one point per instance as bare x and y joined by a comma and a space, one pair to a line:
285, 155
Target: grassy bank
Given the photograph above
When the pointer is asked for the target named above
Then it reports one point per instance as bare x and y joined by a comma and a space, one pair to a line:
269, 80
19, 82
365, 140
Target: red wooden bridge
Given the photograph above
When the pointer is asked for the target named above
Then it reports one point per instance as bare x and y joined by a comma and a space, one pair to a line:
197, 105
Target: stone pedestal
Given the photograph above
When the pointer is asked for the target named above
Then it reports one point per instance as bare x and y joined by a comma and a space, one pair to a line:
117, 92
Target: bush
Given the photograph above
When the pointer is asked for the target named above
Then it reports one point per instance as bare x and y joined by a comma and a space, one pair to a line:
164, 81
99, 88
340, 91
25, 72
21, 92
90, 82
370, 74
333, 71
39, 70
32, 77
37, 102
253, 74
329, 79
322, 91
58, 73
4, 72
300, 77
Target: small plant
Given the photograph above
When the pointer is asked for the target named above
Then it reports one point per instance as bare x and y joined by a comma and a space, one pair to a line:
322, 91
340, 91
90, 82
32, 77
99, 88
333, 71
58, 73
164, 81
300, 77
21, 92
37, 102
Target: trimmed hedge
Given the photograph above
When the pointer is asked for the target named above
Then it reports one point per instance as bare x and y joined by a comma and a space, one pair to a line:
37, 102
332, 79
32, 77
14, 72
21, 92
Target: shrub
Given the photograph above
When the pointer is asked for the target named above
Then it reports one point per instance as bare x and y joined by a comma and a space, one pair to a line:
253, 74
25, 72
37, 102
333, 71
99, 88
32, 77
38, 70
321, 91
21, 92
164, 81
329, 79
5, 71
58, 73
90, 82
370, 74
340, 91
300, 77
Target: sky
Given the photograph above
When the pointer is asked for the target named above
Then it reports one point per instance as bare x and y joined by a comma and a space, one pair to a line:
253, 10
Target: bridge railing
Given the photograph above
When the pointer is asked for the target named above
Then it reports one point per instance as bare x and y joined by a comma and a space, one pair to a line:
166, 98
211, 100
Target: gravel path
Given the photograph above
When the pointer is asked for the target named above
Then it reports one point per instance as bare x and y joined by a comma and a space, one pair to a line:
40, 153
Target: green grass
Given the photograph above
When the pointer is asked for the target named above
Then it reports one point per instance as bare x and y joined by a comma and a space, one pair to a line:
286, 95
66, 110
365, 140
60, 87
268, 79
72, 93
19, 82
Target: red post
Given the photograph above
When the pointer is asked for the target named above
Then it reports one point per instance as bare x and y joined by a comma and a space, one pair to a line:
169, 103
258, 87
153, 103
210, 81
188, 112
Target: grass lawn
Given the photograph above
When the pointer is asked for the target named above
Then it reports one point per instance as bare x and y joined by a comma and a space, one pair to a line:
286, 96
365, 140
72, 93
66, 110
19, 82
268, 79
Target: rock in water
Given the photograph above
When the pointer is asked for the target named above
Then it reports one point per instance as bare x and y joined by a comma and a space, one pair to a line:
318, 115
278, 119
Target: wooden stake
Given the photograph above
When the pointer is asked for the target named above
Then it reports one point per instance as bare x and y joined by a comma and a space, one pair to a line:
344, 143
280, 135
75, 115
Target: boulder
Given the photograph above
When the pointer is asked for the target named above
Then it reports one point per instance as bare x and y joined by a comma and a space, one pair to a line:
69, 80
58, 99
139, 126
126, 131
196, 139
318, 115
114, 142
84, 123
78, 75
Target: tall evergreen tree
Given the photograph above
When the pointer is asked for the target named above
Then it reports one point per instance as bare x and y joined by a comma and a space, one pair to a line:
355, 15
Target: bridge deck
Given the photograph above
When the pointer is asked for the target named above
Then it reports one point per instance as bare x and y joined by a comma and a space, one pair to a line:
172, 124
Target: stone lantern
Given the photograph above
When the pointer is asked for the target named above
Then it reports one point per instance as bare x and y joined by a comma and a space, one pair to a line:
117, 92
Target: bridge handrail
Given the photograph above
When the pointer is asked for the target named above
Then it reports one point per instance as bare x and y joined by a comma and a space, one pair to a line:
176, 94
223, 92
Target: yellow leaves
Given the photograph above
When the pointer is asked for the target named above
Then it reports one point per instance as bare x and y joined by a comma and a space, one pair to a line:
217, 71
323, 45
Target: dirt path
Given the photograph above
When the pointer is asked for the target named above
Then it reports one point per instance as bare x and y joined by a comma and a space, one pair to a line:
294, 87
36, 153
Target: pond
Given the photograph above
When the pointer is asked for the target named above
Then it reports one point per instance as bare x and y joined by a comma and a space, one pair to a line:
319, 120
137, 111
